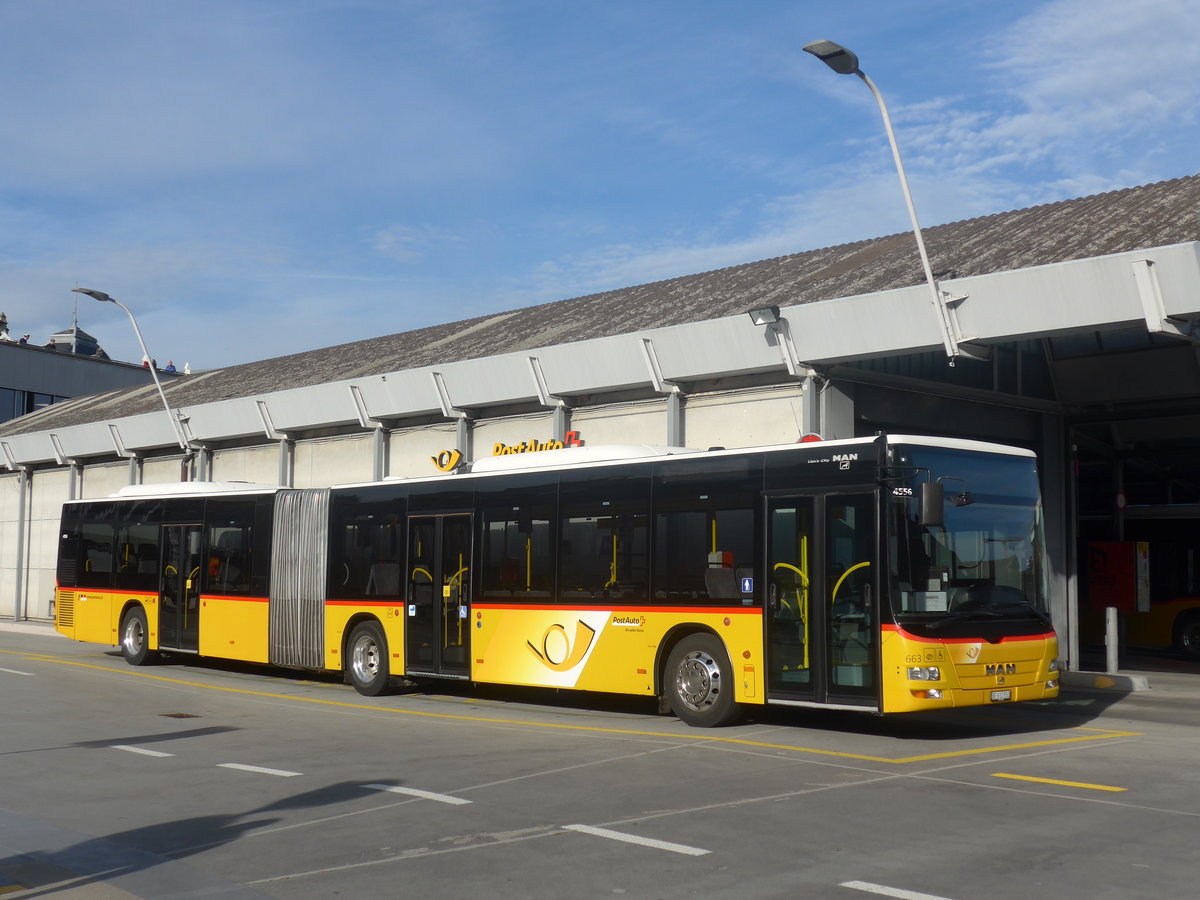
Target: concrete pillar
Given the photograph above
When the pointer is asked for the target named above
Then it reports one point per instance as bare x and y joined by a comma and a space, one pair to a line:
464, 431
1056, 466
561, 422
379, 453
23, 485
675, 423
287, 459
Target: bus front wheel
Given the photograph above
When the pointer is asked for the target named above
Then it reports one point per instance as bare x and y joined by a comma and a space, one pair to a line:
699, 682
367, 660
135, 638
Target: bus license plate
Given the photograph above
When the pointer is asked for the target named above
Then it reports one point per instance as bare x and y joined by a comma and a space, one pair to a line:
1001, 696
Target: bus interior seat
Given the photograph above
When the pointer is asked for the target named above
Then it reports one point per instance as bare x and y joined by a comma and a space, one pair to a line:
147, 559
384, 578
720, 577
99, 560
722, 584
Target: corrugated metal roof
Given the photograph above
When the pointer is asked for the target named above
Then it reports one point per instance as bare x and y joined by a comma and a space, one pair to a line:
1167, 212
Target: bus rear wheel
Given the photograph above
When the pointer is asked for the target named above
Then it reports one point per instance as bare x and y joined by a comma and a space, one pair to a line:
367, 660
1187, 636
135, 638
699, 682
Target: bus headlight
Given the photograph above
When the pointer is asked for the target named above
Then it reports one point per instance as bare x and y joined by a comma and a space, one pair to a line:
1054, 665
924, 673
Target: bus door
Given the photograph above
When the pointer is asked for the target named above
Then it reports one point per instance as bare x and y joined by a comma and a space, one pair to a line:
438, 602
821, 616
179, 588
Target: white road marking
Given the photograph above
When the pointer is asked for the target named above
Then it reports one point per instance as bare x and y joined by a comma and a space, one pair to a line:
282, 773
15, 672
413, 792
634, 839
886, 891
142, 750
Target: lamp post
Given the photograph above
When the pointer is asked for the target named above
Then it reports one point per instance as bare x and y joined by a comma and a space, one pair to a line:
845, 62
175, 423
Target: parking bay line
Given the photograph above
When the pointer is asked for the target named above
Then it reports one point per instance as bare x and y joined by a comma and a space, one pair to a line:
885, 891
142, 750
16, 672
282, 773
635, 839
413, 792
1078, 784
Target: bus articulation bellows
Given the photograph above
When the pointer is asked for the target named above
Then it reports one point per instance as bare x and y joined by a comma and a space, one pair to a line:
889, 574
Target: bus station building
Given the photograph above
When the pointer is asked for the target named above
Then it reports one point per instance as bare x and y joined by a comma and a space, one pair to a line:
1071, 329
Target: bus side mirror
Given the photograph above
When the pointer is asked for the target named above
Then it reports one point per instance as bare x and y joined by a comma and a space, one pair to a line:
933, 500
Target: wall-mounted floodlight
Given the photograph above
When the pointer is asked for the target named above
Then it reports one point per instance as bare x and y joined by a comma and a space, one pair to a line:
176, 425
765, 315
845, 62
777, 327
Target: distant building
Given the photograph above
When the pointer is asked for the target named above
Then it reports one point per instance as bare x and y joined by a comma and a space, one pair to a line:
71, 364
76, 340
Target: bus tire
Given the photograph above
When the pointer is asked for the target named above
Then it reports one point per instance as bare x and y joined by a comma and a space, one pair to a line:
699, 682
367, 660
1187, 635
135, 638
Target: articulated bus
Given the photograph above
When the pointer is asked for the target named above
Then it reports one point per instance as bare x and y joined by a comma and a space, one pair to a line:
888, 574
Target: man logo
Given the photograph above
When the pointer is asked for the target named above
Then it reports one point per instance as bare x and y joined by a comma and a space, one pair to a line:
558, 652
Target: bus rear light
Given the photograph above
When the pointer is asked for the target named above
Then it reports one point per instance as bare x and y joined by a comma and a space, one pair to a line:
924, 673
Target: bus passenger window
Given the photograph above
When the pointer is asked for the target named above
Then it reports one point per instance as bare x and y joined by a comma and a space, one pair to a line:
137, 557
96, 554
605, 540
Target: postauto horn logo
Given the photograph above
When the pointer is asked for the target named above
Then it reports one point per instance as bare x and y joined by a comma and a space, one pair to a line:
559, 652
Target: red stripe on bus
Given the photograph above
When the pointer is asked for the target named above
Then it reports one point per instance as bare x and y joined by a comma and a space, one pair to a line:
576, 607
967, 640
100, 590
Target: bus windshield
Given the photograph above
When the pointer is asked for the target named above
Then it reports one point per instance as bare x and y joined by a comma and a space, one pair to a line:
981, 569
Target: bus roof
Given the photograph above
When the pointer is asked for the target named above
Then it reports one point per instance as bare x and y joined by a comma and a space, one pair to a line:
567, 458
191, 488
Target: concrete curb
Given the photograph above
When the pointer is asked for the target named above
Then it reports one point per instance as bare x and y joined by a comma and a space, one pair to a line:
1101, 681
28, 626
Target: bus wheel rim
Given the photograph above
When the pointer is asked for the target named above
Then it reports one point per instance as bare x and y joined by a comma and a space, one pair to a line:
133, 636
1191, 638
698, 680
365, 659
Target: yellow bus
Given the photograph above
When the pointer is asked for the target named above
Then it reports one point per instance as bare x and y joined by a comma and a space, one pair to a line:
889, 574
1167, 617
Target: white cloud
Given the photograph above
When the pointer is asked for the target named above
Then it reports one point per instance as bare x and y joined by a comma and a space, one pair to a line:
1084, 93
409, 243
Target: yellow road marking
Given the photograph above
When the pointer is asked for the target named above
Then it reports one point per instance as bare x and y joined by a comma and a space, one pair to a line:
1078, 784
564, 726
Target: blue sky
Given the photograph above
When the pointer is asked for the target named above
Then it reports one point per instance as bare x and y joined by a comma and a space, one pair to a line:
260, 177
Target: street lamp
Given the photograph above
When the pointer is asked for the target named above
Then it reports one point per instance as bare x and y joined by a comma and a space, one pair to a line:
845, 62
175, 423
